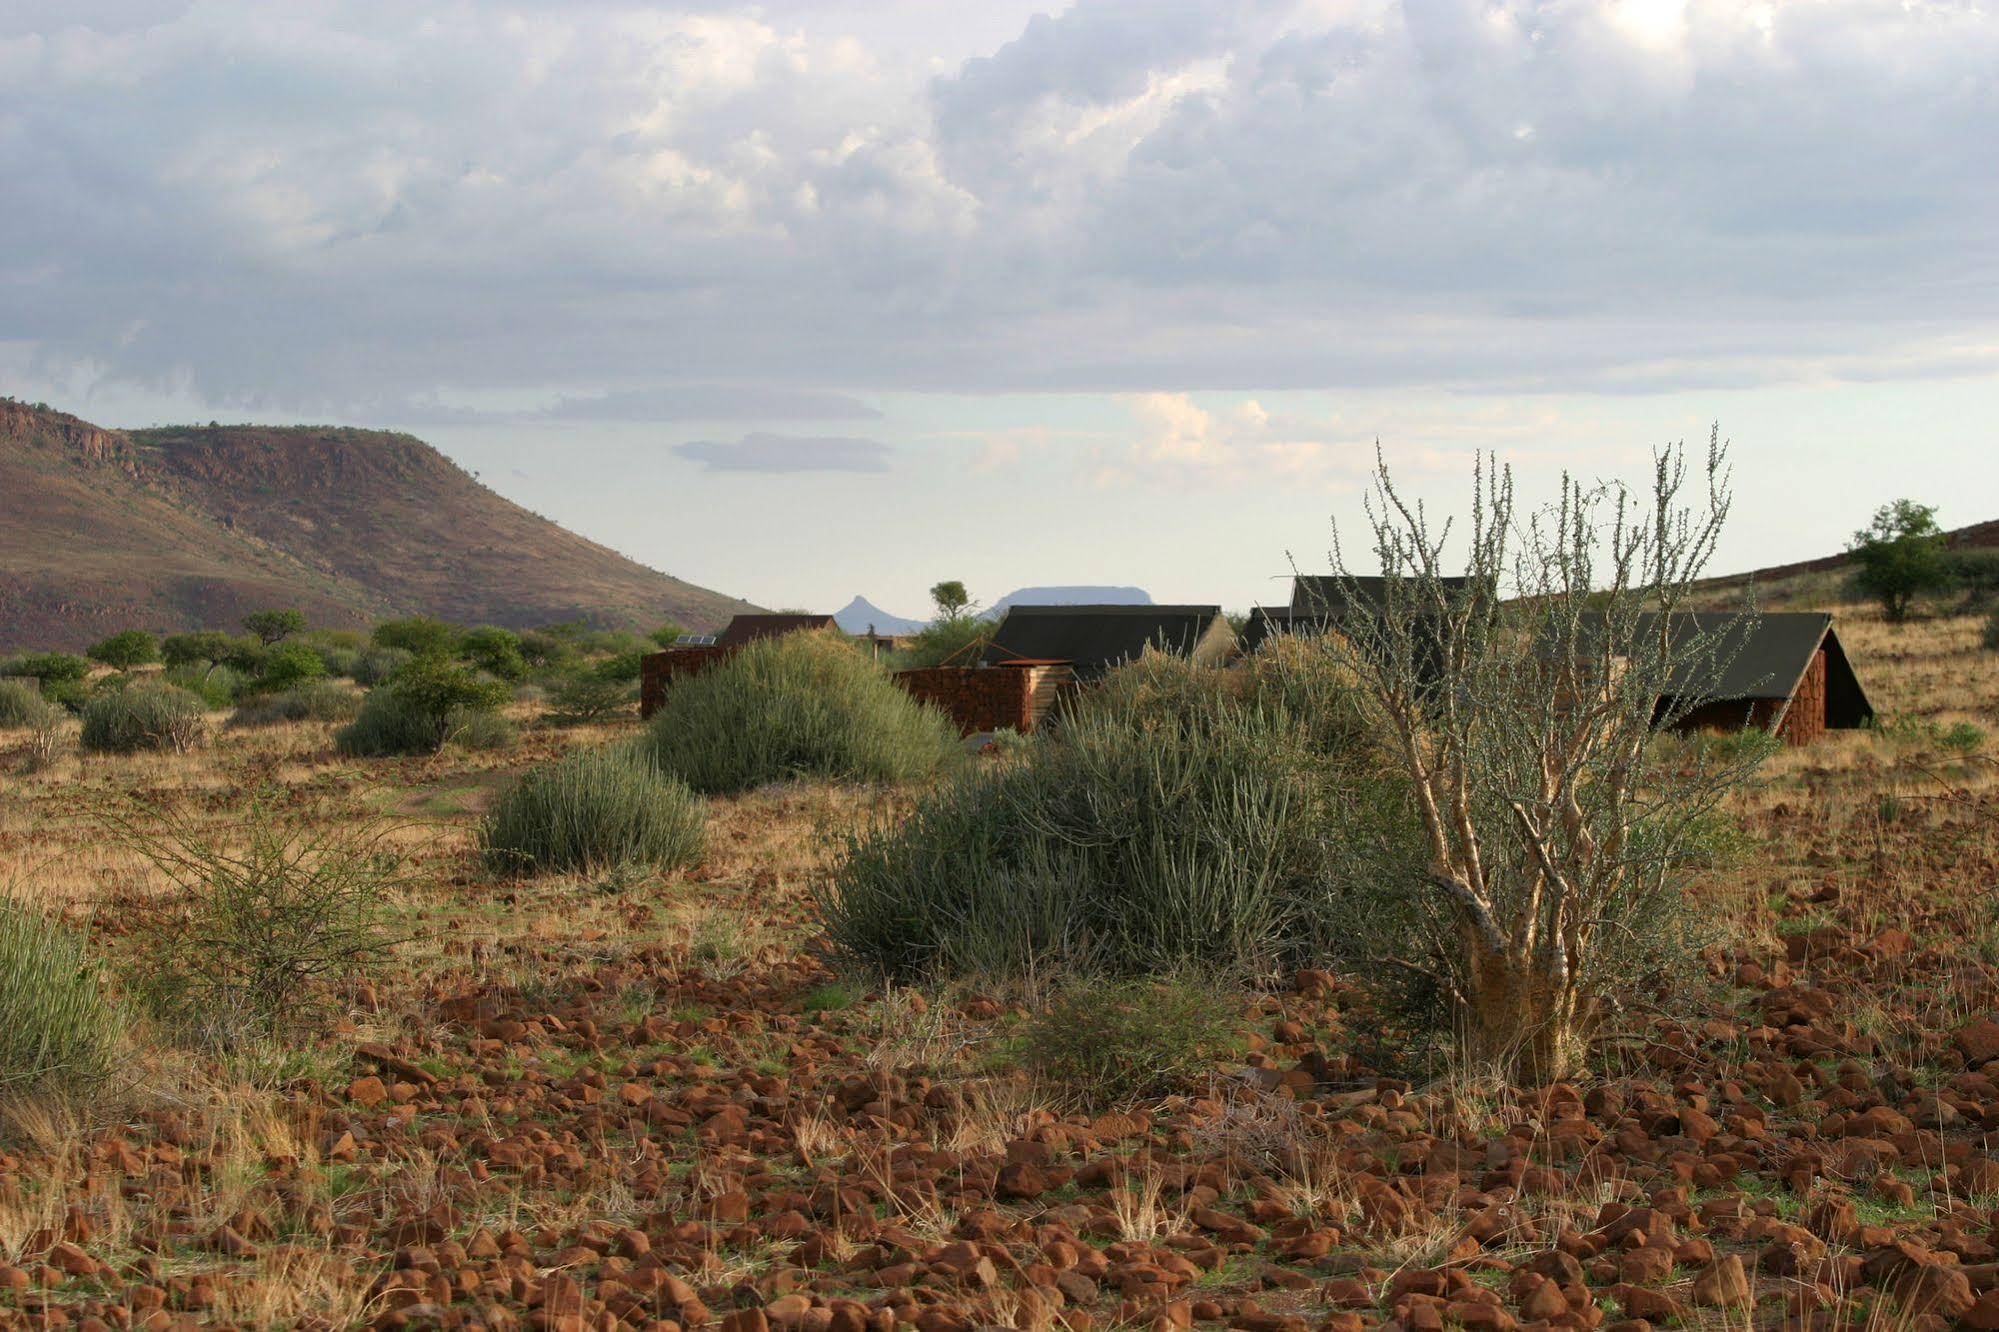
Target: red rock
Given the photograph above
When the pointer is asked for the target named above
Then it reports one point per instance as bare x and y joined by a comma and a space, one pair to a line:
1977, 1040
1724, 1285
1020, 1180
367, 1091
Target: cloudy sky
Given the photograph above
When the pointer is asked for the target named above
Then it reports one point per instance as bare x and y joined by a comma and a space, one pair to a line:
817, 297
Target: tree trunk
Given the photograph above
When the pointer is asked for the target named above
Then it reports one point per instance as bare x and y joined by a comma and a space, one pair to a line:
1521, 1022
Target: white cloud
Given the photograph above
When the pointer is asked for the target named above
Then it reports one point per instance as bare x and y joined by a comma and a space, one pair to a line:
357, 201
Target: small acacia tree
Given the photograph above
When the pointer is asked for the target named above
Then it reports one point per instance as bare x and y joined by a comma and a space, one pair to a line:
953, 602
1520, 703
274, 626
1899, 556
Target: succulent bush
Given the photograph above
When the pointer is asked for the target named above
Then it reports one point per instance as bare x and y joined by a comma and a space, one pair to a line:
58, 1030
800, 705
1168, 823
596, 810
22, 707
144, 717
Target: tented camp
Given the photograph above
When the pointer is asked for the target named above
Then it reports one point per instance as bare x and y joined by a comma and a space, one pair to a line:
1094, 639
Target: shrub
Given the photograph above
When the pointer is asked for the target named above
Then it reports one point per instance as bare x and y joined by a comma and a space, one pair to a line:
126, 649
431, 701
418, 635
288, 665
495, 651
58, 1031
22, 707
941, 642
258, 934
588, 697
668, 633
216, 686
338, 660
1990, 635
623, 667
799, 705
1155, 830
378, 665
1114, 1041
595, 810
146, 716
315, 701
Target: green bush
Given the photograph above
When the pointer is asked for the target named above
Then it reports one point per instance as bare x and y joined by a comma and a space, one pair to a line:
315, 701
289, 665
58, 1031
419, 635
946, 642
270, 627
1114, 1041
427, 704
799, 705
125, 649
593, 811
144, 717
588, 697
379, 665
216, 686
204, 646
337, 660
51, 668
495, 651
261, 931
1990, 636
1167, 823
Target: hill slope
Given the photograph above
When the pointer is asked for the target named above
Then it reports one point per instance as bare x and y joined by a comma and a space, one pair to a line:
194, 527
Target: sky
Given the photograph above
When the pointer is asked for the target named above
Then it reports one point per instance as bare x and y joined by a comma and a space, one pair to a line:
816, 298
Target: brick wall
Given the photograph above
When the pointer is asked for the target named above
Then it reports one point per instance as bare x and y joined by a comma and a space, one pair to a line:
657, 670
993, 698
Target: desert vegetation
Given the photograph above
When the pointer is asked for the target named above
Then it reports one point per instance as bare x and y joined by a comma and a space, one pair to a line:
1102, 1027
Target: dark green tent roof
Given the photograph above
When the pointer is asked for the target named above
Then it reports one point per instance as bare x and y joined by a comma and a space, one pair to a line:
1326, 595
1761, 656
1096, 638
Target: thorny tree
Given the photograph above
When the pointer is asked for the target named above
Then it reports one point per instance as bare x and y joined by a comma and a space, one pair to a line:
1520, 703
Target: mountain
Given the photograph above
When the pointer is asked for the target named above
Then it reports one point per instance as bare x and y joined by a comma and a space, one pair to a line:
193, 527
1070, 596
858, 615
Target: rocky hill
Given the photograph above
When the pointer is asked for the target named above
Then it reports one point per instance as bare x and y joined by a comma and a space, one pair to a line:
193, 527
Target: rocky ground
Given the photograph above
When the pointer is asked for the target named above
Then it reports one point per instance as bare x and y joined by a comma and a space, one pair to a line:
644, 1103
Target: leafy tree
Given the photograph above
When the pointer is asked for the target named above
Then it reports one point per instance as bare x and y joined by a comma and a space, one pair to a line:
419, 635
209, 645
668, 633
125, 649
952, 600
291, 664
1899, 556
274, 626
495, 651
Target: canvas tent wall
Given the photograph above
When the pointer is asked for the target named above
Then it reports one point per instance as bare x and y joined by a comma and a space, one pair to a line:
1094, 639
